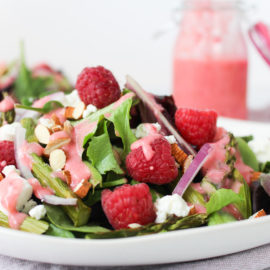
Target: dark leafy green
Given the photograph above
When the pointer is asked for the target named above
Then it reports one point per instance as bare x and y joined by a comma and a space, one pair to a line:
27, 87
55, 231
58, 217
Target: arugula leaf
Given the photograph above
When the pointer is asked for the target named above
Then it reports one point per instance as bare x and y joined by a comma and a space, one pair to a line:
120, 118
27, 87
58, 218
222, 198
171, 224
55, 231
48, 107
101, 154
220, 217
247, 154
247, 138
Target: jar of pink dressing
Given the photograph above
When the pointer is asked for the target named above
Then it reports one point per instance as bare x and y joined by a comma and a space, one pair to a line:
210, 58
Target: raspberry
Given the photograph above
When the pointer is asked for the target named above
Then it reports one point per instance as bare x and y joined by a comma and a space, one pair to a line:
7, 156
97, 86
160, 169
197, 127
128, 204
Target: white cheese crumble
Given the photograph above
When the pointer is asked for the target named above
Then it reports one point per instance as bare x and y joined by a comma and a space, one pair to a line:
171, 139
38, 212
141, 131
24, 196
89, 110
7, 132
261, 148
9, 169
134, 225
170, 205
71, 99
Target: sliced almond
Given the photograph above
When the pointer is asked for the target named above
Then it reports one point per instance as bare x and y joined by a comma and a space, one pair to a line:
258, 214
178, 153
57, 128
53, 145
68, 127
75, 112
82, 188
42, 133
187, 162
192, 210
255, 176
56, 120
78, 111
57, 159
67, 176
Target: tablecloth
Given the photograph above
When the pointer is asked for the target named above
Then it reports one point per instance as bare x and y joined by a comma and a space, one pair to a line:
253, 259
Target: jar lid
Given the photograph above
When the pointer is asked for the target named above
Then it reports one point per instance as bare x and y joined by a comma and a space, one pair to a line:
260, 37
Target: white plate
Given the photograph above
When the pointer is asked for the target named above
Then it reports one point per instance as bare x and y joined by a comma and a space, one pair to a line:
177, 246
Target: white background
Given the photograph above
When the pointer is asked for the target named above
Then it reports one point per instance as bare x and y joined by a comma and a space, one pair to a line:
119, 34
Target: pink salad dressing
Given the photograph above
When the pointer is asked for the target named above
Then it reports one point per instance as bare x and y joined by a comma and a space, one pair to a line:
10, 190
122, 99
146, 141
210, 59
215, 167
74, 150
7, 104
26, 150
41, 102
244, 170
197, 187
60, 113
39, 191
59, 135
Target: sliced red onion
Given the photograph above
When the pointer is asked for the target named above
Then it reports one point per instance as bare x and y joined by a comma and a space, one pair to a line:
55, 200
260, 36
157, 109
18, 141
193, 169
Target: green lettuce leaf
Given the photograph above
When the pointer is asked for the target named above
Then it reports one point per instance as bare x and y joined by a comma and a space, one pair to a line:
247, 154
29, 124
120, 118
101, 155
220, 217
222, 198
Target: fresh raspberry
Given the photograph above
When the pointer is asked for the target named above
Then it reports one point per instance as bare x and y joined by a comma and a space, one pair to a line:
7, 156
97, 86
160, 169
128, 204
197, 127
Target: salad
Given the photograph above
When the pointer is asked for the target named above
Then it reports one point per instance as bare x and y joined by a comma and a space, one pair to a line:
100, 162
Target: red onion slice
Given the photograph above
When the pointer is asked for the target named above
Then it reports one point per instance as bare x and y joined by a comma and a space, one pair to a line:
156, 108
18, 141
260, 36
55, 200
193, 169
265, 182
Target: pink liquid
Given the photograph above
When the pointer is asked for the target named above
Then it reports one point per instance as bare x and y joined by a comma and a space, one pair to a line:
210, 59
218, 84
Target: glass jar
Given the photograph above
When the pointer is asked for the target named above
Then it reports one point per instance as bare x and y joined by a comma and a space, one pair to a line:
210, 58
